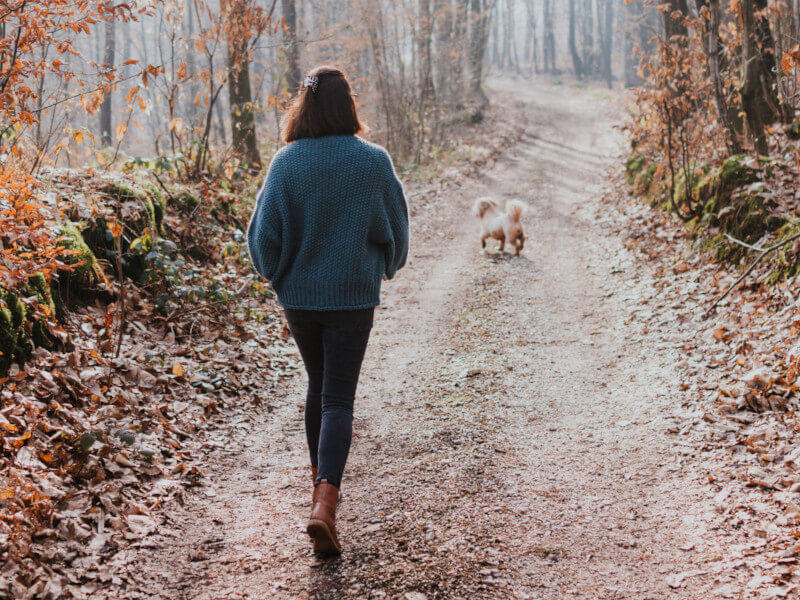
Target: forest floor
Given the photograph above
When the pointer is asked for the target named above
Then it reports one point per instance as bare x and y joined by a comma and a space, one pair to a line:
519, 425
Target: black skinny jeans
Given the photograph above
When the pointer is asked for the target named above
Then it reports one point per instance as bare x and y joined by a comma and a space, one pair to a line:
332, 344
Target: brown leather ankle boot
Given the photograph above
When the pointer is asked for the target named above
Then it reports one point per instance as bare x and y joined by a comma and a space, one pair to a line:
322, 524
314, 484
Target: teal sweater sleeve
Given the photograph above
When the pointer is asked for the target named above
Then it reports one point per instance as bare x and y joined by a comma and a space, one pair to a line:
265, 232
396, 210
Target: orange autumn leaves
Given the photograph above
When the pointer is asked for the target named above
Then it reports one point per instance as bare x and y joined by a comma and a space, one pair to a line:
27, 243
791, 60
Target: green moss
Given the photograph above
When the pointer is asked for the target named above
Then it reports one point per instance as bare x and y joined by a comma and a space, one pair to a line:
644, 182
186, 200
787, 261
15, 343
732, 201
123, 192
37, 286
82, 281
640, 173
158, 201
746, 216
100, 239
144, 196
633, 166
737, 171
81, 256
687, 194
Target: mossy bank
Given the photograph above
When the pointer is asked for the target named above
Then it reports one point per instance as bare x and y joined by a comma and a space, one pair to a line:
728, 207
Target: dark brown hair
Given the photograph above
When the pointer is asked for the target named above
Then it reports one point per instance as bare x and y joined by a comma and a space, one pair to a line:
330, 109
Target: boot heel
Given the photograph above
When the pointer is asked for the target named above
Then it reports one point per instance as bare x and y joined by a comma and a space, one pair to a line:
324, 542
321, 526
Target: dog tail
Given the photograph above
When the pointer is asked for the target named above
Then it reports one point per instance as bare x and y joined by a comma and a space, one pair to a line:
482, 205
515, 209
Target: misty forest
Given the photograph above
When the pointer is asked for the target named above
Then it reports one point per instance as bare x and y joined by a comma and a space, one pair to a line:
610, 412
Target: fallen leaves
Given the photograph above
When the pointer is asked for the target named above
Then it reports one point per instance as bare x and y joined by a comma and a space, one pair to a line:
92, 446
739, 392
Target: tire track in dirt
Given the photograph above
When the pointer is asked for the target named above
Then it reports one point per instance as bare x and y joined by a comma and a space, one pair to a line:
510, 429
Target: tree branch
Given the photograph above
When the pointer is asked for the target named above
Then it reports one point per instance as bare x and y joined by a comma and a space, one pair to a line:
764, 253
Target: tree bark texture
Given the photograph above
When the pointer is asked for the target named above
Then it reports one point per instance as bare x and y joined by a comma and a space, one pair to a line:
753, 90
107, 105
293, 74
479, 23
240, 95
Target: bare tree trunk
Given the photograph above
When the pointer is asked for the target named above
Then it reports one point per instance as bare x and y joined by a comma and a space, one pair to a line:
425, 33
107, 105
479, 22
673, 19
240, 95
445, 59
796, 14
531, 39
459, 46
293, 75
634, 22
713, 51
577, 63
188, 33
768, 64
587, 38
755, 104
512, 34
549, 38
495, 36
607, 41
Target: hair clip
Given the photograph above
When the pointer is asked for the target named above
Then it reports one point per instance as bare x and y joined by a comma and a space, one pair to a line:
312, 82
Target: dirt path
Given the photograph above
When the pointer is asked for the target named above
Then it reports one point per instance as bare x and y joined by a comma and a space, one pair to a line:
512, 426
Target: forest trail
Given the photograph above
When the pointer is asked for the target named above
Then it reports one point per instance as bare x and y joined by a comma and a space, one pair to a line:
511, 427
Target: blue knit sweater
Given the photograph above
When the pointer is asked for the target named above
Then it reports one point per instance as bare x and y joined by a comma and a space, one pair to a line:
330, 222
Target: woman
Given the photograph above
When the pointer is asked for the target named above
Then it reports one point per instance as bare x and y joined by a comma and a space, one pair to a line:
330, 224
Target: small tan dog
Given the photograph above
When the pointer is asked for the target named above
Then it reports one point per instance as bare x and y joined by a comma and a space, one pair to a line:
505, 227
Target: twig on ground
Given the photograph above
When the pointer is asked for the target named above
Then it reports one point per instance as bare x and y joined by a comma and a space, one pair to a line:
121, 299
745, 244
163, 187
764, 252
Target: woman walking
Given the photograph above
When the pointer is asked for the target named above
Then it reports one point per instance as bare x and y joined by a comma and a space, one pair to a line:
330, 224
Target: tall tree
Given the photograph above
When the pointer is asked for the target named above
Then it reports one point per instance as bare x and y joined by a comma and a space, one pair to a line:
633, 24
768, 63
459, 44
424, 36
531, 37
587, 37
577, 62
549, 41
673, 16
293, 75
479, 33
239, 16
758, 101
108, 59
450, 31
710, 12
443, 38
607, 39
